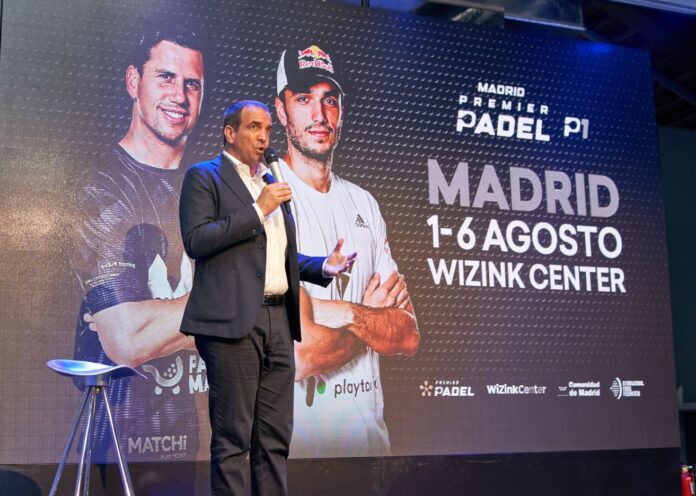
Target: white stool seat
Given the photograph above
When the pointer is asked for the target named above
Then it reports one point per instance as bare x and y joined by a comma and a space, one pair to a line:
80, 368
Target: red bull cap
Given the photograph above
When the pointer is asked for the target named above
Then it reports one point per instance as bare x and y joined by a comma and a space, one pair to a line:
301, 67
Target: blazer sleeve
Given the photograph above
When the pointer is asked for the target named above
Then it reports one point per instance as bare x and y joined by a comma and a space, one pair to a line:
202, 233
311, 270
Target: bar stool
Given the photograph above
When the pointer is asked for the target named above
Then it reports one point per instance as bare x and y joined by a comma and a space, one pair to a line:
97, 378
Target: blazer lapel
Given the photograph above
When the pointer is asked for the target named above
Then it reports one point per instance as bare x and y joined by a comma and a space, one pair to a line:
231, 178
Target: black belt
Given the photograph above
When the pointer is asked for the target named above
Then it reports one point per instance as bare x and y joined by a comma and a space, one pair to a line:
273, 300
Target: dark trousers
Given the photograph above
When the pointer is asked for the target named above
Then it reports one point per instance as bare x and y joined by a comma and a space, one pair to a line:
251, 400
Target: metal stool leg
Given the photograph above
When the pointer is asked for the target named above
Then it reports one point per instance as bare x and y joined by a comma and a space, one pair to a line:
71, 438
123, 467
90, 441
86, 440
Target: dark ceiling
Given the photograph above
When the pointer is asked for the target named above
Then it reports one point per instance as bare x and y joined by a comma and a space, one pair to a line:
669, 37
671, 40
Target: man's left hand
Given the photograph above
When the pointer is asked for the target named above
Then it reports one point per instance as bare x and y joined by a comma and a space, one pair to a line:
337, 263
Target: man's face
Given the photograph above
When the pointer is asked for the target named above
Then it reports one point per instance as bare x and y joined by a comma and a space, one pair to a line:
248, 142
168, 93
312, 120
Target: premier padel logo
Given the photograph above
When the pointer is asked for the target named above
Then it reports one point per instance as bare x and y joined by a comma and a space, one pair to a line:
445, 388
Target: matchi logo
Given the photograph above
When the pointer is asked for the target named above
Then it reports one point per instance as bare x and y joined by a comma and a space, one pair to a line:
445, 387
170, 447
626, 389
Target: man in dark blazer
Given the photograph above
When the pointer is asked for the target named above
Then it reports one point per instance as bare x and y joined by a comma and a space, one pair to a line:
244, 306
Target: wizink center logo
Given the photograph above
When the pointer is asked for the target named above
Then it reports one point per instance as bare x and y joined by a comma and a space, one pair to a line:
171, 378
445, 387
626, 389
580, 389
514, 389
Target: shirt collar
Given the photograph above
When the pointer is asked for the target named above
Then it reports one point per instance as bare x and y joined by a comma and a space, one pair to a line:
243, 169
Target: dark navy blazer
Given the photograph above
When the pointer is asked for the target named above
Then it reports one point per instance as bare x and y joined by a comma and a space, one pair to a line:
222, 232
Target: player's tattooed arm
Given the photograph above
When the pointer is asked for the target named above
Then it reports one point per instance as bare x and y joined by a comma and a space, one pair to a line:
384, 321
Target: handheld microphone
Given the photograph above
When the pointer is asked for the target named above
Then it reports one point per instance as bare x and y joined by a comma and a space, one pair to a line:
271, 158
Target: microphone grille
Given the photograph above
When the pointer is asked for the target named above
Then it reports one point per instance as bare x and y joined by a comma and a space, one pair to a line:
270, 155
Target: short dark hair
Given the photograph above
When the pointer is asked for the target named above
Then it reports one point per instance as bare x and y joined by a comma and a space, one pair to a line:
233, 114
154, 36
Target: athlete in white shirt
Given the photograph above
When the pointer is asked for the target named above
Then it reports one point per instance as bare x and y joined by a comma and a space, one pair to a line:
361, 314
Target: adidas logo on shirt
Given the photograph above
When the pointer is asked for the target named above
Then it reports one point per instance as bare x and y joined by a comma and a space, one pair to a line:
359, 222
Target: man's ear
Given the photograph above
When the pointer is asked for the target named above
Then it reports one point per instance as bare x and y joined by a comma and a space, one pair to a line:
229, 134
342, 108
280, 112
132, 80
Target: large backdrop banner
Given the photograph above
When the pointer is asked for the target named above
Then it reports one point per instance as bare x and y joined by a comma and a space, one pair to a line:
501, 191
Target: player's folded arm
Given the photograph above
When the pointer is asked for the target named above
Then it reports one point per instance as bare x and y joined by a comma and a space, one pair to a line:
133, 333
322, 349
388, 331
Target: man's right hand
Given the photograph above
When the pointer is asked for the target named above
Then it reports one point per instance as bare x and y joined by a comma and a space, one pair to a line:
385, 321
391, 293
272, 195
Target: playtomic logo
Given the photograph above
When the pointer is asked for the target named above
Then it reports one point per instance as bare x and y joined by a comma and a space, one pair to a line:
340, 389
